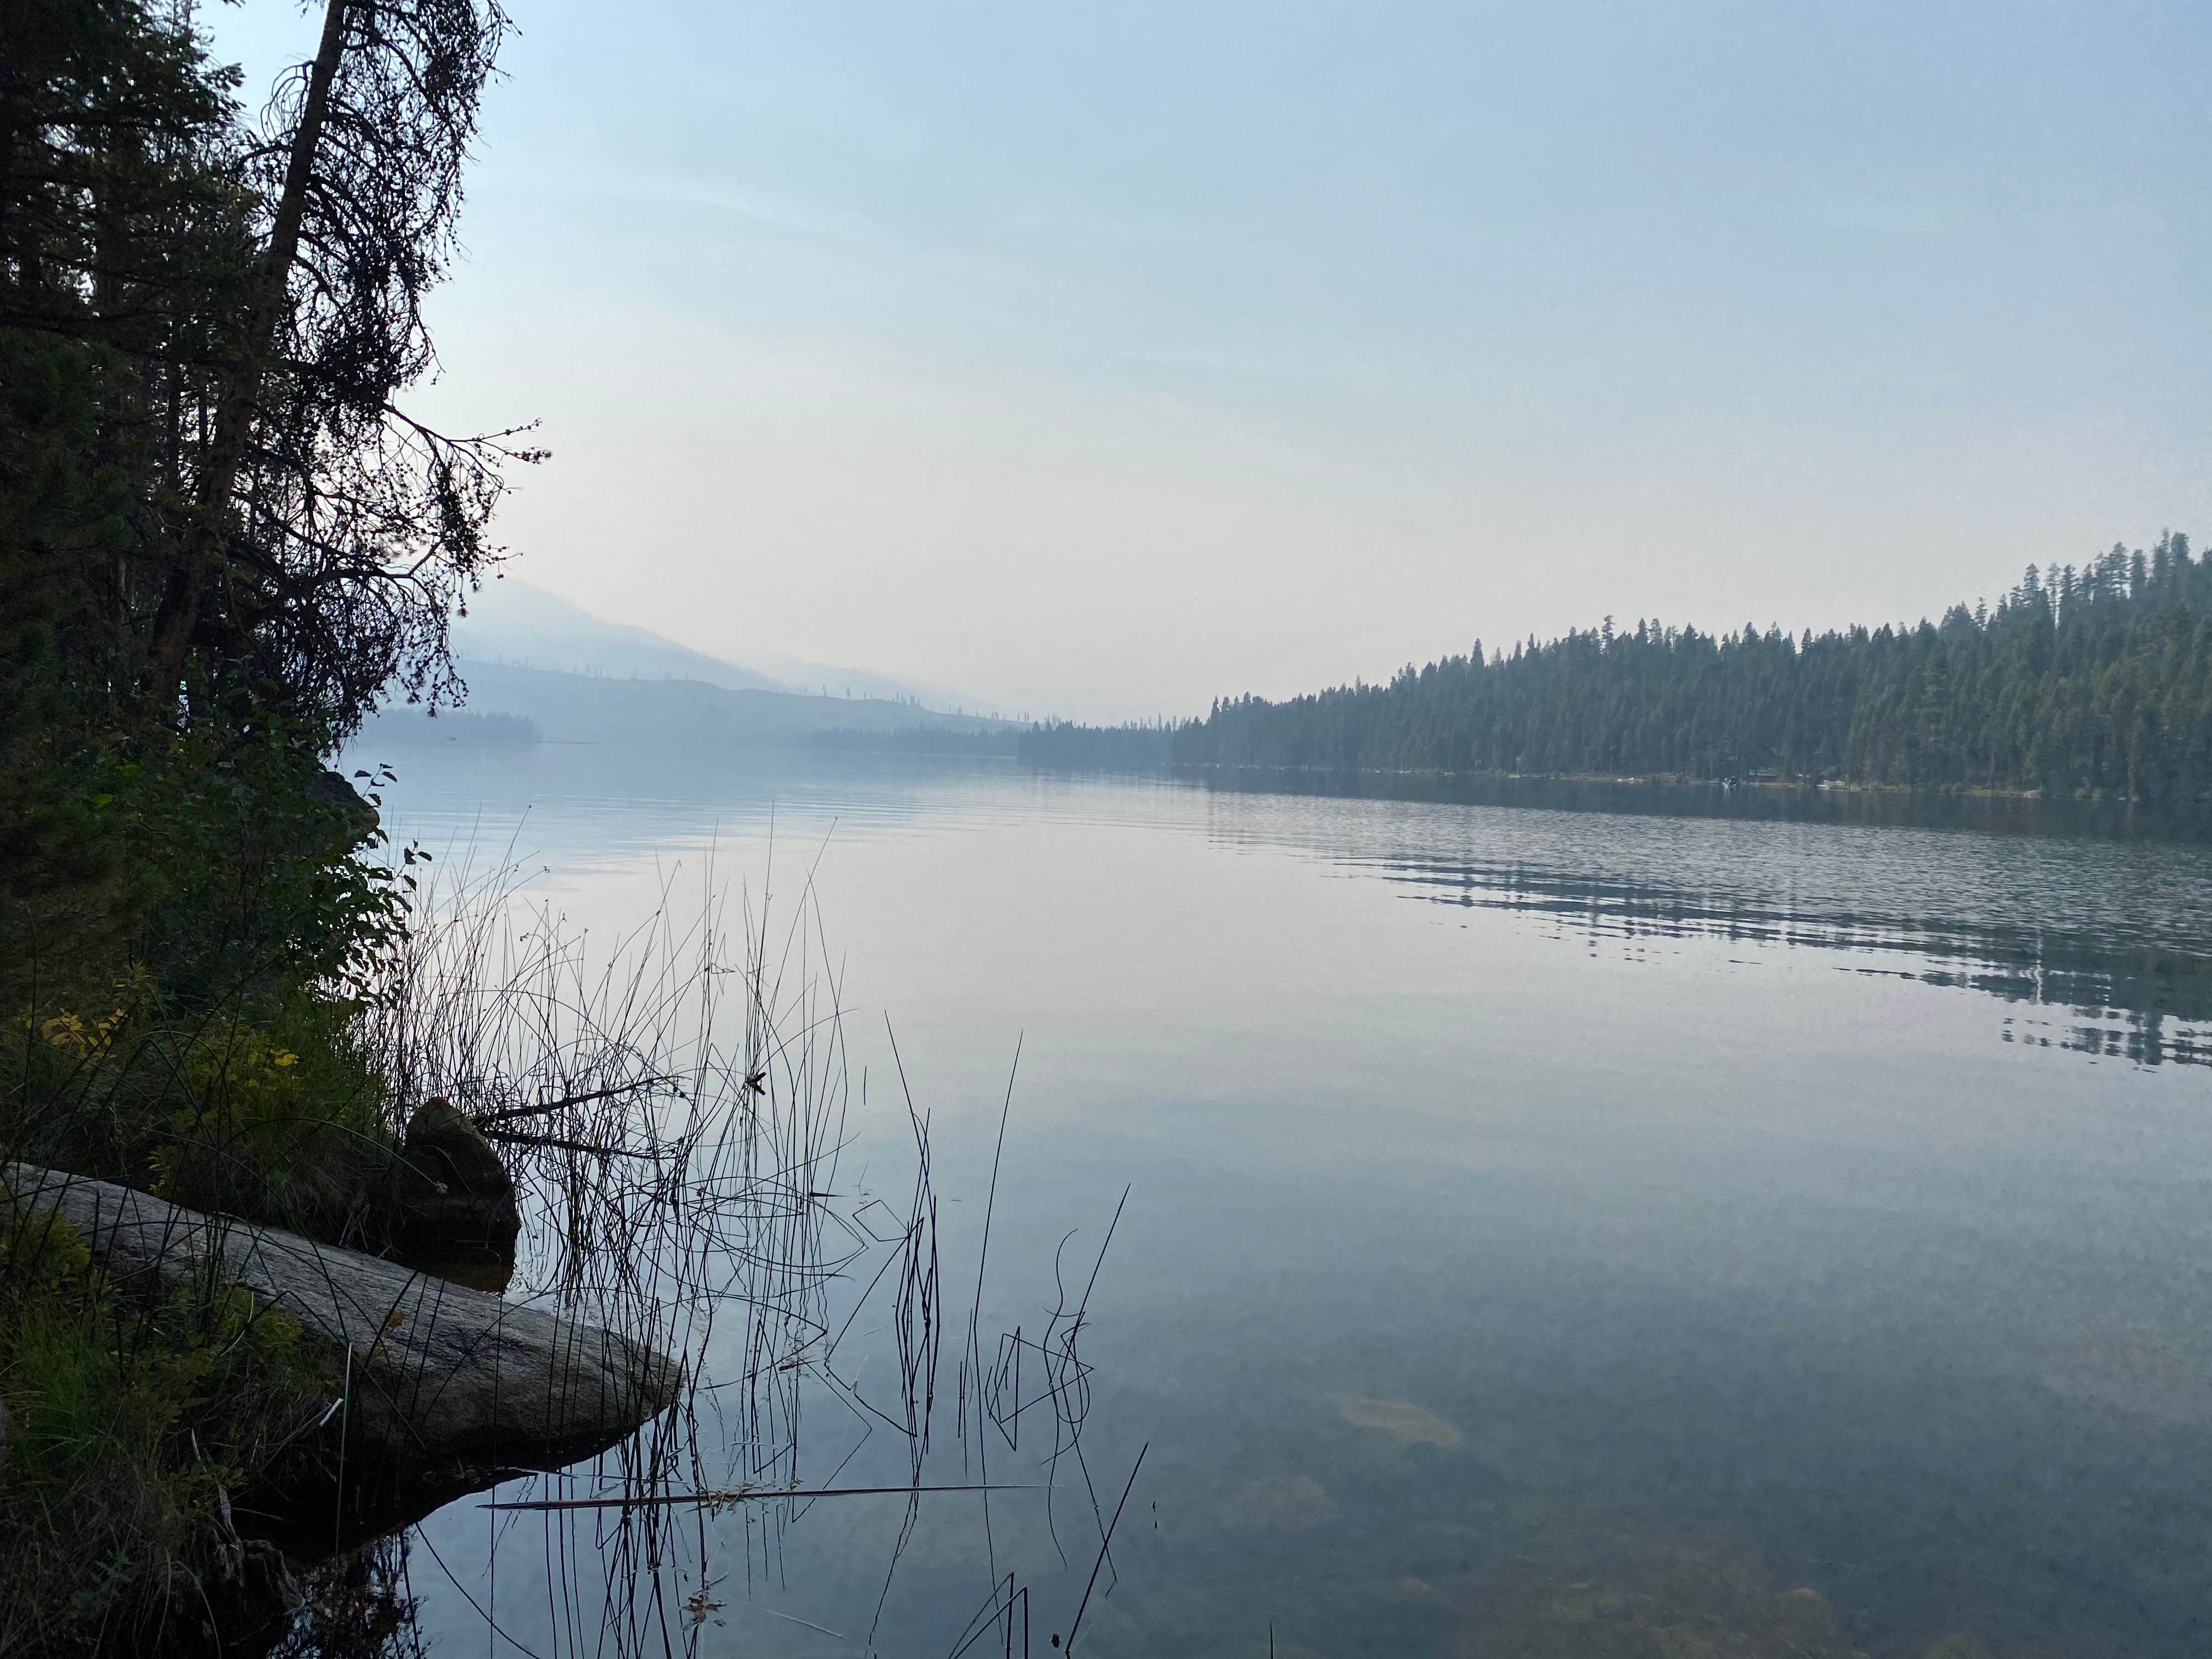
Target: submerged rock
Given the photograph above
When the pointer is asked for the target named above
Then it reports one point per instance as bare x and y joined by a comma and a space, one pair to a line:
436, 1389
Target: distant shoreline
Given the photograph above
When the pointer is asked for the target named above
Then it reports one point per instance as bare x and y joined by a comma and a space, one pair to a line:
1675, 781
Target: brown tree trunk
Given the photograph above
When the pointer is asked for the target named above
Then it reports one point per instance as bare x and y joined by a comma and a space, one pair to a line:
179, 616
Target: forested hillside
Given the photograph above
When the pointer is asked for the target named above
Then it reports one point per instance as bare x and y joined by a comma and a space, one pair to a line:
1136, 746
2092, 679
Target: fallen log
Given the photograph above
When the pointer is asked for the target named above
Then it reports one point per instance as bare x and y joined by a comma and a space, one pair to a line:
436, 1389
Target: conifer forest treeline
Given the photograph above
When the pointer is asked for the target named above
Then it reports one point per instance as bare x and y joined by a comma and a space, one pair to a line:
2097, 679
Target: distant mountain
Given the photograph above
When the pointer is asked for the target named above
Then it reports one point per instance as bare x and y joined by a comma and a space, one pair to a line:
514, 624
637, 709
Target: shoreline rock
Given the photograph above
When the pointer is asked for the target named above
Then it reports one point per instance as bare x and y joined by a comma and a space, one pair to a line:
452, 1206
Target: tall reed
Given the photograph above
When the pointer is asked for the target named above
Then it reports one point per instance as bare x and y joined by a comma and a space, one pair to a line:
672, 1105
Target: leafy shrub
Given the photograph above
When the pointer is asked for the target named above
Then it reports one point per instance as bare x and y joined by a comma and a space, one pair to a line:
130, 1422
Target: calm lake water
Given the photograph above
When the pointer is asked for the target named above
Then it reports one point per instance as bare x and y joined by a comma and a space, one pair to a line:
1553, 1220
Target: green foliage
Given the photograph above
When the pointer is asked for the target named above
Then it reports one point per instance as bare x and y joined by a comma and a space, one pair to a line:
248, 918
219, 545
286, 1126
57, 515
280, 1118
2092, 681
130, 1422
244, 851
120, 253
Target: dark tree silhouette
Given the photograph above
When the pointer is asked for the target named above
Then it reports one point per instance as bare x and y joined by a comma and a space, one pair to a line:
330, 535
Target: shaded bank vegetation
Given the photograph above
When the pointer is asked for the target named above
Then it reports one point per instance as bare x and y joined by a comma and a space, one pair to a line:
222, 538
224, 543
2090, 680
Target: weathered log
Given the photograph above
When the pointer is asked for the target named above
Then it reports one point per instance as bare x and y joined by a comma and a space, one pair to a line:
441, 1388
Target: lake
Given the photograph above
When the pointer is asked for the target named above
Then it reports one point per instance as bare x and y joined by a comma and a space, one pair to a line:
1557, 1221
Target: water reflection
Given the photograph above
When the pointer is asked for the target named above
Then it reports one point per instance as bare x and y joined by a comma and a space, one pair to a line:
2097, 917
2108, 998
1476, 1295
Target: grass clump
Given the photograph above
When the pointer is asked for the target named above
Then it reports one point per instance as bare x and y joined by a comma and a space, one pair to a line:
134, 1419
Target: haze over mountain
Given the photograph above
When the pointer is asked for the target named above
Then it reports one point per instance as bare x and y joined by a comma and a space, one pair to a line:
656, 710
535, 664
514, 624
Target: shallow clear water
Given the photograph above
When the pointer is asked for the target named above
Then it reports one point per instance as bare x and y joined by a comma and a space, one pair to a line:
1546, 1226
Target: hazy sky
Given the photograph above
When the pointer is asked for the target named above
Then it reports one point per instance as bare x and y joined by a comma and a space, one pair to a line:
1106, 358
